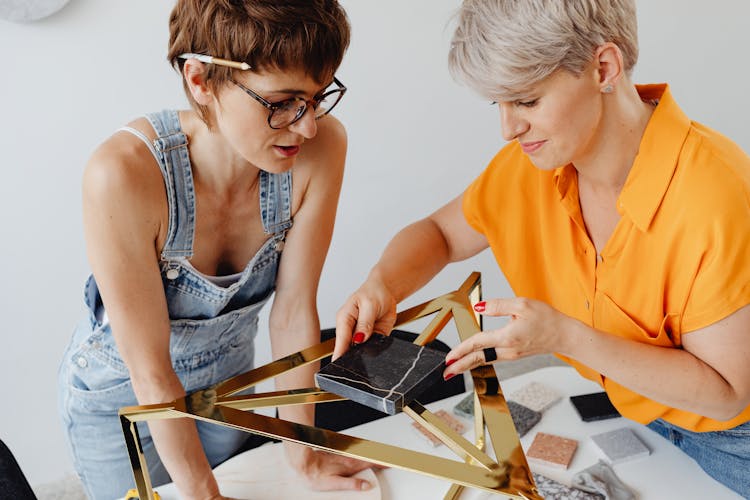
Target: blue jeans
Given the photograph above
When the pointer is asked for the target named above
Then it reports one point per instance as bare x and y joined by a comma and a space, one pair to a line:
724, 455
94, 384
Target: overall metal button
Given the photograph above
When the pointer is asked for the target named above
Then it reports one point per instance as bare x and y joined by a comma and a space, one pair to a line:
81, 361
172, 274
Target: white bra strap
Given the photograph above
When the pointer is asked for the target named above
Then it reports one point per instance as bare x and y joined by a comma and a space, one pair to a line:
142, 137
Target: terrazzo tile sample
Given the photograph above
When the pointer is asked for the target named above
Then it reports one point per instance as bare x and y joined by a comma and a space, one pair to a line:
536, 396
446, 417
620, 445
465, 407
523, 417
384, 373
551, 450
554, 490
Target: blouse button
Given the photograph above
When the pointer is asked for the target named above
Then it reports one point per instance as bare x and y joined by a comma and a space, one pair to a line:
172, 274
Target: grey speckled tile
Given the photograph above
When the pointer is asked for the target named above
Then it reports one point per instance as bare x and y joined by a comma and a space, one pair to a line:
620, 445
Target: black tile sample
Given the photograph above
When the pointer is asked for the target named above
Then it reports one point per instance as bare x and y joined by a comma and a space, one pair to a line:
384, 373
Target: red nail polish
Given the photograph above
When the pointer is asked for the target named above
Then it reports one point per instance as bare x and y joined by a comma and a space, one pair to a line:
448, 363
480, 306
448, 377
358, 338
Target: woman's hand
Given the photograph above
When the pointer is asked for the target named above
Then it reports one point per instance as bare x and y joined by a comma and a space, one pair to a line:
327, 471
534, 328
372, 308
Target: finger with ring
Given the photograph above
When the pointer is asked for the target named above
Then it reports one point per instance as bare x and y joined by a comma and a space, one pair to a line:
490, 354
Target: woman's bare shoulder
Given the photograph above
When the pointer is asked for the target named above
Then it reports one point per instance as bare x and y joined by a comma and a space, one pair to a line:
123, 169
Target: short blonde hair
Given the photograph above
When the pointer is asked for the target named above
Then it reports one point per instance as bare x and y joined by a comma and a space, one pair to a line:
501, 47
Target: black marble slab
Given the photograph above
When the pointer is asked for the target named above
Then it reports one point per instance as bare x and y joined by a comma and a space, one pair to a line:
384, 373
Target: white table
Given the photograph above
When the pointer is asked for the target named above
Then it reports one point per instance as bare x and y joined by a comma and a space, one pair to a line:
666, 474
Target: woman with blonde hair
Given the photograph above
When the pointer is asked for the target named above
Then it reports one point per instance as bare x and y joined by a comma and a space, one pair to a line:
622, 226
193, 220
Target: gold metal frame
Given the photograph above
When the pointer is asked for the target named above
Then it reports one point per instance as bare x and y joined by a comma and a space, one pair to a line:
507, 474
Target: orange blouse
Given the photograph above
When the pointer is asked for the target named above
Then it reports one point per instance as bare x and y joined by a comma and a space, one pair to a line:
678, 260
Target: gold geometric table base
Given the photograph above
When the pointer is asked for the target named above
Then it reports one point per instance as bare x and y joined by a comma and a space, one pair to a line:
508, 474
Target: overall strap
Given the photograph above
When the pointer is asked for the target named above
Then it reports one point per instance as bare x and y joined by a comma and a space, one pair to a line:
171, 144
276, 202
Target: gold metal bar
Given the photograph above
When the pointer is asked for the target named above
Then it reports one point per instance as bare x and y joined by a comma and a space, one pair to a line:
454, 492
456, 489
478, 423
453, 440
143, 413
471, 285
279, 398
137, 459
275, 368
495, 480
508, 475
419, 311
179, 409
500, 427
433, 329
475, 295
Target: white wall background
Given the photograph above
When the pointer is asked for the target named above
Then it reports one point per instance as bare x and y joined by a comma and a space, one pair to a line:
416, 140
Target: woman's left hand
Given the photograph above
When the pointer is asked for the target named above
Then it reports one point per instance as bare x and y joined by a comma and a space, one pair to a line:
534, 328
327, 471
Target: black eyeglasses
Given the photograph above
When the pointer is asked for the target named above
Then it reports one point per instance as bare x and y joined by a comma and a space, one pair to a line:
283, 113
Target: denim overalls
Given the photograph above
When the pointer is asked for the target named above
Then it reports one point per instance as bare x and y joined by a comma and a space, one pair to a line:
212, 329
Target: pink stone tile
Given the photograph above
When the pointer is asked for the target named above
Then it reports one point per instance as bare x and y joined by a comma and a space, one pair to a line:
446, 417
551, 450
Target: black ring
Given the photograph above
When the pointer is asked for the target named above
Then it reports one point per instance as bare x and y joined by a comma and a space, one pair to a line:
490, 354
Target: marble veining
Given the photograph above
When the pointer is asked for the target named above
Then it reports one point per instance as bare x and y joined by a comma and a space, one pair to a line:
414, 364
390, 392
384, 373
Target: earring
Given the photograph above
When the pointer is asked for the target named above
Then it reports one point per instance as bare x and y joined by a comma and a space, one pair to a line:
608, 89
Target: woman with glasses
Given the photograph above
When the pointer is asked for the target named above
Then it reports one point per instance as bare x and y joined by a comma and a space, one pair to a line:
193, 220
622, 227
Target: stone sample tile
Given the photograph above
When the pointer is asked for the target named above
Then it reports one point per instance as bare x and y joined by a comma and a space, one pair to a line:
551, 450
536, 396
446, 417
384, 373
594, 406
620, 445
554, 490
523, 417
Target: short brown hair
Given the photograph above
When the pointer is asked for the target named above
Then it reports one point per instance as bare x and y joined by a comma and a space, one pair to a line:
311, 35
